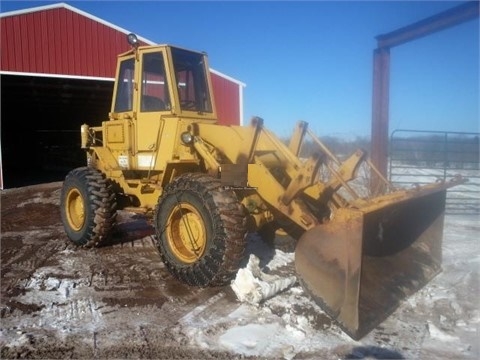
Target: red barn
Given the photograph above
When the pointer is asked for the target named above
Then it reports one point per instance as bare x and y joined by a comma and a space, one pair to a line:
57, 71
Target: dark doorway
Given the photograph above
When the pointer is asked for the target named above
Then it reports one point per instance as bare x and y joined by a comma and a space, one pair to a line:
40, 125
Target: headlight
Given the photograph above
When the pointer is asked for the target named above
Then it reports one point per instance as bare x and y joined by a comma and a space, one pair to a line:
186, 137
132, 39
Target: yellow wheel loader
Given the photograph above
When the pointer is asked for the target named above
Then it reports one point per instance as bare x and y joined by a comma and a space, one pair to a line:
362, 245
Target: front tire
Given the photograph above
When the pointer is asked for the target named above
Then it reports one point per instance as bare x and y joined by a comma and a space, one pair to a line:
201, 230
87, 207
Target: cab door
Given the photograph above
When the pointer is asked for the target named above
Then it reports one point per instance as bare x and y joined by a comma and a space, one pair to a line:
118, 133
154, 104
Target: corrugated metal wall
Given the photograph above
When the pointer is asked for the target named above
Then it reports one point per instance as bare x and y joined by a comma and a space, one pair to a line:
71, 44
227, 100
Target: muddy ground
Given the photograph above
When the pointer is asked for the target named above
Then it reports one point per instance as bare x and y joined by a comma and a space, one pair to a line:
121, 280
118, 301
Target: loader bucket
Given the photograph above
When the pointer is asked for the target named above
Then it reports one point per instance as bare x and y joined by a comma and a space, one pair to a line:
359, 266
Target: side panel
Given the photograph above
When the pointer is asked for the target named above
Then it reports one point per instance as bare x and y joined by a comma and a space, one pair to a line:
118, 140
148, 131
118, 135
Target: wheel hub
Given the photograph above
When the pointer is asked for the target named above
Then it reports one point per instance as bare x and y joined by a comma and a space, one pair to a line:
75, 209
187, 233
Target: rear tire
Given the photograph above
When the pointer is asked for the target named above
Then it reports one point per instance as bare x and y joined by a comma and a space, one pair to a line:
200, 230
87, 207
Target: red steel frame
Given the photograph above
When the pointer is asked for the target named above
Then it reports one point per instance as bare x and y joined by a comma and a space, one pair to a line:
381, 70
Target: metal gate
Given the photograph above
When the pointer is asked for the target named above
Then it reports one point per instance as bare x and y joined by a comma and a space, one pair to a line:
419, 157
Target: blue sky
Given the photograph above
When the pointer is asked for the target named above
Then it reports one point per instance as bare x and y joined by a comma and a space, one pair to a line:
313, 60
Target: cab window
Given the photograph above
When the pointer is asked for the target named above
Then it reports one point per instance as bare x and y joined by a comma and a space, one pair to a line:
154, 91
124, 95
191, 80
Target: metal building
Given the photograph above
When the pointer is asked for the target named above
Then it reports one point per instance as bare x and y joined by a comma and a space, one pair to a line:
57, 69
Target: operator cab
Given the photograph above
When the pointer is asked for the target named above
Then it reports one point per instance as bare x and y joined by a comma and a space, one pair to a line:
170, 79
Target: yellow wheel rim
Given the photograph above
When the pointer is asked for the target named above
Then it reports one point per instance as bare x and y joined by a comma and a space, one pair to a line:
186, 233
75, 209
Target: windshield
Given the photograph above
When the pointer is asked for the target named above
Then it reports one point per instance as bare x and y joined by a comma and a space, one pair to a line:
191, 80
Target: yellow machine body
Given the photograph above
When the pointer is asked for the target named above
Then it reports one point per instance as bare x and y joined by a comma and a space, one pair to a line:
360, 250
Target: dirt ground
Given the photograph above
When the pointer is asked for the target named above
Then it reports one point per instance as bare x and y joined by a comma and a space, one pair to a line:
118, 301
122, 276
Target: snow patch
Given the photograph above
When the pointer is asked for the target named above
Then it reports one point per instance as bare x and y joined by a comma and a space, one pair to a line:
280, 259
252, 285
436, 333
258, 340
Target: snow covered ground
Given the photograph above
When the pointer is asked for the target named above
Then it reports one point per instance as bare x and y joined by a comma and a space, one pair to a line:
95, 298
441, 321
464, 198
